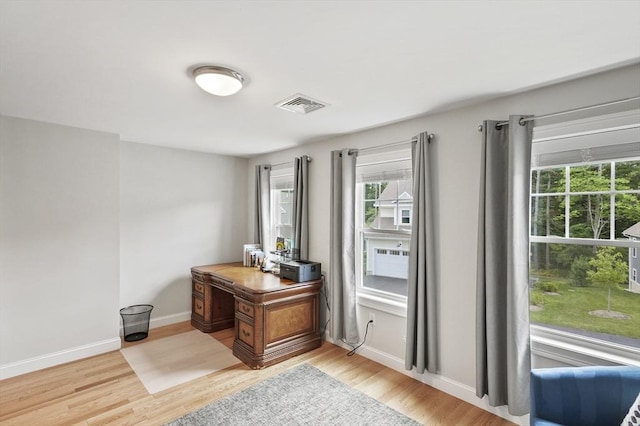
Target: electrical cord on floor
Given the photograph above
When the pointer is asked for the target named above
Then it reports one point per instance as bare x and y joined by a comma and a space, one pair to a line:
326, 300
325, 327
324, 293
353, 351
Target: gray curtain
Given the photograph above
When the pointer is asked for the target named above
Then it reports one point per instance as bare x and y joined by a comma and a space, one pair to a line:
263, 207
421, 347
503, 360
342, 241
301, 208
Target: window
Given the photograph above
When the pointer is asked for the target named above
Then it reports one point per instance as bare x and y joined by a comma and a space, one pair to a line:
585, 193
634, 274
383, 223
634, 252
406, 217
281, 203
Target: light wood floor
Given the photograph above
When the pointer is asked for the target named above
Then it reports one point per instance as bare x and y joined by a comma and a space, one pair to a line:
104, 390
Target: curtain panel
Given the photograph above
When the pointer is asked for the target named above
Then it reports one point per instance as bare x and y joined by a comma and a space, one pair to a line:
342, 242
301, 208
421, 347
503, 359
262, 221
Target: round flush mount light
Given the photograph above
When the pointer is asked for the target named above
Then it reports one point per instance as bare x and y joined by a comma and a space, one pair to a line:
218, 81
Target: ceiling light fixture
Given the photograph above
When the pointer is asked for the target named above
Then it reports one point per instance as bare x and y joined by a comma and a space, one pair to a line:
218, 81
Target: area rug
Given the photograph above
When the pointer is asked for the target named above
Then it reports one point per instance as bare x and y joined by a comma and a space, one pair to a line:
170, 361
301, 396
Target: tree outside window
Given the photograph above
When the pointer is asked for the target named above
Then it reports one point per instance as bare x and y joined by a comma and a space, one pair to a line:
581, 274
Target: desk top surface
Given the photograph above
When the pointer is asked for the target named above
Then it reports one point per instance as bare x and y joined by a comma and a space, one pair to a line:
250, 278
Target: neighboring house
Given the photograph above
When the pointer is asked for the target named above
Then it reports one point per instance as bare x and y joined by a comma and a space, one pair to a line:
395, 202
633, 234
388, 255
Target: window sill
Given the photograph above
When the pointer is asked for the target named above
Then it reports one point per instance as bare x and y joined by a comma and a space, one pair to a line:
557, 345
578, 350
381, 303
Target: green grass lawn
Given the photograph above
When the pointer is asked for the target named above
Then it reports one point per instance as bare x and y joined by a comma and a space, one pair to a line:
571, 309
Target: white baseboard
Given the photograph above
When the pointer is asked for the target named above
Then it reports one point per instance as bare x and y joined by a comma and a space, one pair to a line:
170, 319
17, 368
73, 354
165, 320
452, 387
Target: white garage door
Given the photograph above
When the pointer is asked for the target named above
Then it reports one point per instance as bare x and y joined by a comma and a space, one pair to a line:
391, 263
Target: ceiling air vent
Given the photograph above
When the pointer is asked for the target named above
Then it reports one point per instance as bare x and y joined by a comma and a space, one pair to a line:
301, 104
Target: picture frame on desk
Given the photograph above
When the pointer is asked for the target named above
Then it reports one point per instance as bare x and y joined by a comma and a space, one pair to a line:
257, 257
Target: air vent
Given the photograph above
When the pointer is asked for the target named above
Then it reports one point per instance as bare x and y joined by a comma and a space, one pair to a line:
301, 104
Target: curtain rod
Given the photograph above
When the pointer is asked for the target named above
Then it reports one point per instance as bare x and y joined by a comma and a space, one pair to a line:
370, 148
290, 162
569, 111
282, 164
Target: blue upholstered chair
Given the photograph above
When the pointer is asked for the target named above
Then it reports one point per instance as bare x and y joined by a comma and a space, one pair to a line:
583, 396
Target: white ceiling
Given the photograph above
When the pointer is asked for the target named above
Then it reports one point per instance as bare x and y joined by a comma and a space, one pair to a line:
124, 66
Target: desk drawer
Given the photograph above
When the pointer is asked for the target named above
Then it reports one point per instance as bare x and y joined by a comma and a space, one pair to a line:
245, 333
198, 287
246, 309
198, 306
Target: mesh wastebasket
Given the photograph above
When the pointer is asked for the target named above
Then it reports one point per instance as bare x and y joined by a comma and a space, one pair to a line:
135, 321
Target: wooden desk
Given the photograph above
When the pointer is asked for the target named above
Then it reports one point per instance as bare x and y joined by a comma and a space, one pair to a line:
274, 319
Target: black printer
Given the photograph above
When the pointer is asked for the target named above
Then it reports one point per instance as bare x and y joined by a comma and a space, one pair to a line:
300, 270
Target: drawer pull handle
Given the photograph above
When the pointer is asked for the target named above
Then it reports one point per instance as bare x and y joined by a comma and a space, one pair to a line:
245, 333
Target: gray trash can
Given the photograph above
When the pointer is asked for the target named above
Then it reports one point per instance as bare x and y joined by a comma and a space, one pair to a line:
135, 321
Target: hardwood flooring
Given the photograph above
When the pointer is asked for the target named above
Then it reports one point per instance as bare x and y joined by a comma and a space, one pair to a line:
103, 390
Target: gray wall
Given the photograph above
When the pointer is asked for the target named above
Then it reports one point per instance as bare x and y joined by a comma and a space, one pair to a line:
59, 249
90, 224
178, 209
457, 158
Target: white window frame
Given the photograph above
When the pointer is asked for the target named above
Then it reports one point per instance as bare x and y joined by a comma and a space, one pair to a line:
284, 178
570, 348
376, 299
